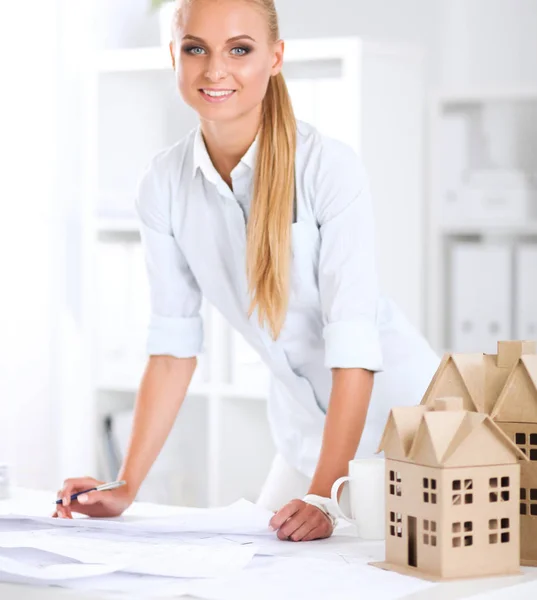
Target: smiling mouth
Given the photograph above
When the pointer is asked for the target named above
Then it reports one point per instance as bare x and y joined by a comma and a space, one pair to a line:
216, 95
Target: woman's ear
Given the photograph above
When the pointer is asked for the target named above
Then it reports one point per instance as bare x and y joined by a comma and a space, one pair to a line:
172, 53
277, 62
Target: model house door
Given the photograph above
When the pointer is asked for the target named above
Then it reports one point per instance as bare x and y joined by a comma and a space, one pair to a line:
412, 542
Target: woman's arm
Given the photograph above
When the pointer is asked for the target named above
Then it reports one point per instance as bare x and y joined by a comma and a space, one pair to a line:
162, 391
161, 394
345, 419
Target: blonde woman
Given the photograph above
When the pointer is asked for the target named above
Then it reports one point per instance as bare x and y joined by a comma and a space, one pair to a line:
271, 222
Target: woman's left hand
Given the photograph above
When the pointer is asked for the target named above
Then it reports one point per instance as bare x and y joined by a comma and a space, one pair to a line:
298, 521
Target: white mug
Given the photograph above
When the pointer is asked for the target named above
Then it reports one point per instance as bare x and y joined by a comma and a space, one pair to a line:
366, 497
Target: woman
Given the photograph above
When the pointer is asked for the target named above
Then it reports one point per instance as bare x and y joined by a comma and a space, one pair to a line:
272, 223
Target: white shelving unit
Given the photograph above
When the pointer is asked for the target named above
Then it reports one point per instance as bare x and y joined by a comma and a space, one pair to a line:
482, 193
221, 447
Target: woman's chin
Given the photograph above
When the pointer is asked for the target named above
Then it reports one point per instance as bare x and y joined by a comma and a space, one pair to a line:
217, 113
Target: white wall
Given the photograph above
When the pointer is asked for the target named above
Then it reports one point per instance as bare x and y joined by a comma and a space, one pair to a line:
488, 42
41, 191
28, 413
396, 20
466, 41
414, 21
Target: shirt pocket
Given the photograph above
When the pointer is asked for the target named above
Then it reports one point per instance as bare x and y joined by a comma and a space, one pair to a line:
305, 240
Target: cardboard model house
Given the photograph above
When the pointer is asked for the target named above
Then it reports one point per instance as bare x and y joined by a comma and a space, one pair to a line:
452, 493
503, 385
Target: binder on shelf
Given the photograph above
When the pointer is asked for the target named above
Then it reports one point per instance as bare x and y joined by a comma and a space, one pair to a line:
526, 292
480, 298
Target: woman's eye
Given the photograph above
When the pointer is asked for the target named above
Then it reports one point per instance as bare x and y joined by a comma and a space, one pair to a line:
241, 51
196, 50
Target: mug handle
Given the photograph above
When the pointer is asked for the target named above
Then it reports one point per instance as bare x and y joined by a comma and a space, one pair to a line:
333, 494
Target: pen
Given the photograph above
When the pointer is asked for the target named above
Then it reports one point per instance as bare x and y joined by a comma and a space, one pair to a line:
100, 488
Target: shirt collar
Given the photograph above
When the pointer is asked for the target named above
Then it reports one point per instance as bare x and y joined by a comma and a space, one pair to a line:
202, 160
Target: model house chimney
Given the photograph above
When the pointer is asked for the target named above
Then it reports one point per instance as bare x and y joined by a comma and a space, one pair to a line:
510, 352
448, 403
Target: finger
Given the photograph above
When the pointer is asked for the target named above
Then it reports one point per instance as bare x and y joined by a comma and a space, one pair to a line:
284, 513
292, 525
322, 531
73, 485
316, 533
64, 512
89, 498
59, 494
304, 530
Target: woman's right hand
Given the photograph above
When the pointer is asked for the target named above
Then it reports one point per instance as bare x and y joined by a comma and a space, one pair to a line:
109, 503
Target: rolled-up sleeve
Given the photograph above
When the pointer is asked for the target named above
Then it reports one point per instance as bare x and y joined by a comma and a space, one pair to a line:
348, 282
175, 327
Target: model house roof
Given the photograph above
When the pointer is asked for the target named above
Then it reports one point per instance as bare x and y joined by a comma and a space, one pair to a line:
446, 435
461, 375
479, 378
518, 398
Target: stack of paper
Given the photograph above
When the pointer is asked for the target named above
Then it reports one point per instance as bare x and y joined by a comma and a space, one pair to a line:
136, 546
217, 554
241, 517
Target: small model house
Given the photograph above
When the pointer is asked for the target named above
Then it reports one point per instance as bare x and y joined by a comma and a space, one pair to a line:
452, 493
505, 387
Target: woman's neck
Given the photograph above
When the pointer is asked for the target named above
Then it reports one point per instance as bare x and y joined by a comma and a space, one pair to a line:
228, 141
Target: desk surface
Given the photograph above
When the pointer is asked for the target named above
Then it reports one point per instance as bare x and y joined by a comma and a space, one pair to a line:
522, 586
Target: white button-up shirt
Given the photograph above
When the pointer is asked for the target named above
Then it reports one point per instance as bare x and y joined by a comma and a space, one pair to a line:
193, 230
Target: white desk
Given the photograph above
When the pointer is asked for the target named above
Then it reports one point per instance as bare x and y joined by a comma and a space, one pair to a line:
32, 502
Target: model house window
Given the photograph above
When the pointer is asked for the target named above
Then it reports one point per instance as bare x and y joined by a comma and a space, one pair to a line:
502, 531
462, 493
499, 489
395, 483
520, 441
527, 442
429, 532
528, 501
533, 446
462, 534
396, 524
429, 490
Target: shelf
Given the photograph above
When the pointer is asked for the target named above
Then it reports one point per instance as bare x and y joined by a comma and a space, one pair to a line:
227, 391
127, 387
478, 96
489, 229
117, 225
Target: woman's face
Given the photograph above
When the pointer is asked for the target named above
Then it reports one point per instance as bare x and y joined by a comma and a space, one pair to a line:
223, 58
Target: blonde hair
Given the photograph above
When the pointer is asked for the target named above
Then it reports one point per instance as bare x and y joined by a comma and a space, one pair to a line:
268, 255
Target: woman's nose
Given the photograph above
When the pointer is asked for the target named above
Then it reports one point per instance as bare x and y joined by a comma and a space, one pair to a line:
216, 69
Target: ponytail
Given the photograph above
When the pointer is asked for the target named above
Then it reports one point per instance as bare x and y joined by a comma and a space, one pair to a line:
269, 227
